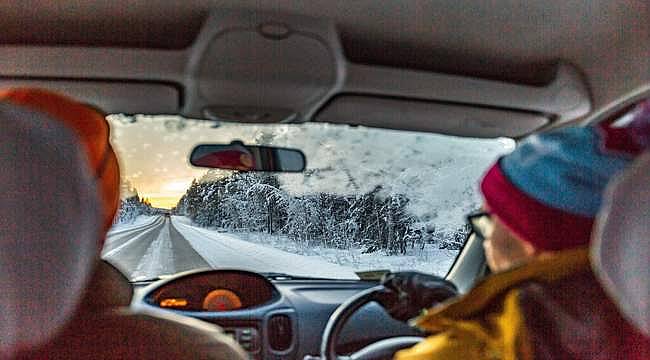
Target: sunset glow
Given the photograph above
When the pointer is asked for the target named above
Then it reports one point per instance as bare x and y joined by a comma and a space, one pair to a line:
153, 156
154, 153
164, 202
171, 193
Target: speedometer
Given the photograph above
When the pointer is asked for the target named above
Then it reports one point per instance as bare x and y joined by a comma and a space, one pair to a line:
221, 300
214, 291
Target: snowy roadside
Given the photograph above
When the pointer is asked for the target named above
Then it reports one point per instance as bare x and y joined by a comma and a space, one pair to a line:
226, 250
429, 260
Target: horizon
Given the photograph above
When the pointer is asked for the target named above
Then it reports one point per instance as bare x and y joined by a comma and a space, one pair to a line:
153, 155
153, 152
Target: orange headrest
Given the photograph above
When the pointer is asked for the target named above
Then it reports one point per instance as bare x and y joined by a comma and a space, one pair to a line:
93, 131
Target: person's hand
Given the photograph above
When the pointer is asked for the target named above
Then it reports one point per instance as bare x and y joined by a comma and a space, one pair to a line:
410, 292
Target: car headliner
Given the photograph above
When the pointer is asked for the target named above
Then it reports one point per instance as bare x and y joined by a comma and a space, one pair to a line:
609, 42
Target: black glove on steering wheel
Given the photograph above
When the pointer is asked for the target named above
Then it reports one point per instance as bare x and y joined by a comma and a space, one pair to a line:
409, 292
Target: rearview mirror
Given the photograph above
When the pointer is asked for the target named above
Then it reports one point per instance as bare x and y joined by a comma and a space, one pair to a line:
237, 156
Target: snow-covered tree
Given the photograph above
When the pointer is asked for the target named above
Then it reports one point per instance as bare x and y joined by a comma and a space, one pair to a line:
255, 202
132, 207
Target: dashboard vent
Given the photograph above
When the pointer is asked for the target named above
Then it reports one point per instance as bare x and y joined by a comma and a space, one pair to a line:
280, 332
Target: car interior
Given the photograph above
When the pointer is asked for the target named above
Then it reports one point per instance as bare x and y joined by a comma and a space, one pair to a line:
463, 68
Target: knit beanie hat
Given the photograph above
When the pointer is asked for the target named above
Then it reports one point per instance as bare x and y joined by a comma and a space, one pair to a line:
549, 189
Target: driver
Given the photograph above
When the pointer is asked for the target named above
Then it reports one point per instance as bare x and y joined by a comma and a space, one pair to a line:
543, 301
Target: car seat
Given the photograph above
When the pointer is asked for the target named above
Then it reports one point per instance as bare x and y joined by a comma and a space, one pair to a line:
621, 247
50, 221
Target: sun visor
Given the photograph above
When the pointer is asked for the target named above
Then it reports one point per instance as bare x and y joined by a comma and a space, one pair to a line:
451, 119
271, 67
111, 97
261, 67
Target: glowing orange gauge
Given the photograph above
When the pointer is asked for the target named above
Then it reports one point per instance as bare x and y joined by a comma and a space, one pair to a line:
173, 303
221, 300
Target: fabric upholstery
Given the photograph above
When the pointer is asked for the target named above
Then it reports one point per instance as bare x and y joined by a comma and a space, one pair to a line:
48, 213
621, 246
60, 301
124, 334
92, 131
108, 288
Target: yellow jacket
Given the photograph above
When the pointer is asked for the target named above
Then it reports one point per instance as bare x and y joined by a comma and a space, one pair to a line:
490, 321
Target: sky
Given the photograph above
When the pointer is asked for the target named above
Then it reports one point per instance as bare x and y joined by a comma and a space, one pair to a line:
153, 152
440, 173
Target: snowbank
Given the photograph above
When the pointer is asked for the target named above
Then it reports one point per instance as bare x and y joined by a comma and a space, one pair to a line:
430, 259
217, 249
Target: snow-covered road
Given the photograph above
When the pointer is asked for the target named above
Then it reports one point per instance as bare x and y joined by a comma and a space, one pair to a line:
169, 245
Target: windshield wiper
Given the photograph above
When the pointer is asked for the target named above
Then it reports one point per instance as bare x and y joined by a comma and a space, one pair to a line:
372, 275
283, 276
268, 275
144, 280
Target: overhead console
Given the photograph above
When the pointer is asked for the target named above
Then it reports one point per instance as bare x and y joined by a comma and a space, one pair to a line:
267, 68
262, 68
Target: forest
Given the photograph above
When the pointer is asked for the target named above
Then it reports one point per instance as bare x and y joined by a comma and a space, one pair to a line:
255, 202
132, 207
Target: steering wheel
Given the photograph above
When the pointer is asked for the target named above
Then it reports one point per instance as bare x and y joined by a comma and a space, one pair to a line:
383, 349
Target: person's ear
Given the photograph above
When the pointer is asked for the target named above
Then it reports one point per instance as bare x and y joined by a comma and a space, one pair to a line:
529, 249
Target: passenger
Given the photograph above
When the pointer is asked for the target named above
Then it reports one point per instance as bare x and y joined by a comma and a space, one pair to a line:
48, 213
543, 302
93, 325
92, 130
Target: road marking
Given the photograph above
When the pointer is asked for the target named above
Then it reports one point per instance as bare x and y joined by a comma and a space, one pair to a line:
117, 249
158, 259
120, 231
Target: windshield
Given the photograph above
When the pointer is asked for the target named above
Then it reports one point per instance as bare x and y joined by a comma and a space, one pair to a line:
370, 199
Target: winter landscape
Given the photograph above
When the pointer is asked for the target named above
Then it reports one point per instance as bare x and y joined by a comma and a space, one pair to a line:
370, 199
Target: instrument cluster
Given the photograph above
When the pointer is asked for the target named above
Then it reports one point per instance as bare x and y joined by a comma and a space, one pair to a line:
215, 291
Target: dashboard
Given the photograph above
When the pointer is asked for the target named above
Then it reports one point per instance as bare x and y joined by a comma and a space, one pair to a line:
225, 291
275, 317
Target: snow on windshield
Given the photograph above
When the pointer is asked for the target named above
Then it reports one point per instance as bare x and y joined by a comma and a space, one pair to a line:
370, 199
